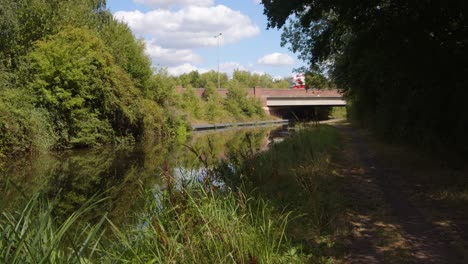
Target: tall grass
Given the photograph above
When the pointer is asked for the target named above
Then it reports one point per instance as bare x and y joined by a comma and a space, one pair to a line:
297, 175
205, 227
33, 235
190, 225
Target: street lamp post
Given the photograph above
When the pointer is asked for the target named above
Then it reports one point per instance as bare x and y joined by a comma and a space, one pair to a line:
218, 36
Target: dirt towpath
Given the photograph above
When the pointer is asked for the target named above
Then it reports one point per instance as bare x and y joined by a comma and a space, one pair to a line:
388, 226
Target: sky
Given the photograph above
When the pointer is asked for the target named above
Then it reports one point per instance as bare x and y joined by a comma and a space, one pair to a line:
180, 35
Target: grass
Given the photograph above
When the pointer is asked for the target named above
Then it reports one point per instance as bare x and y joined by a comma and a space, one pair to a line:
191, 225
297, 175
284, 209
206, 227
32, 235
338, 112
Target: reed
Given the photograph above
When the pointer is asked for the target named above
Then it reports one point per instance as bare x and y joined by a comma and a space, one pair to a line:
204, 227
190, 225
34, 235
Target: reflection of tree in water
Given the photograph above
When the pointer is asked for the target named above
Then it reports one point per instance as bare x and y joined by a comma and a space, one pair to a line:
119, 174
211, 156
210, 148
72, 178
23, 177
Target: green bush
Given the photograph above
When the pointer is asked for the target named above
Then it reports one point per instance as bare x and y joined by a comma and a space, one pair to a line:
90, 98
239, 104
23, 128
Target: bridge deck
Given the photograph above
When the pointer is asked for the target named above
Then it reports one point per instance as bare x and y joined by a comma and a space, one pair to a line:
305, 101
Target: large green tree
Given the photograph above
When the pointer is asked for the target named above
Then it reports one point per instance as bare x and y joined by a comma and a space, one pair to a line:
401, 63
90, 97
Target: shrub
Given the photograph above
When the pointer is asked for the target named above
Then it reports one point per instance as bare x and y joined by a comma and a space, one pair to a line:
23, 128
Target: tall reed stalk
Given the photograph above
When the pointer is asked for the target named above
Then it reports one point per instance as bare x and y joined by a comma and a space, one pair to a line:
33, 235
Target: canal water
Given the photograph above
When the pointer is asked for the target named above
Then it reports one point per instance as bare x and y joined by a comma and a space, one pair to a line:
123, 174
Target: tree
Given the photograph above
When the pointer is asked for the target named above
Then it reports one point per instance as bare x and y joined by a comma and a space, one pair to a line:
161, 86
192, 103
400, 63
247, 79
211, 79
239, 104
87, 94
191, 79
128, 52
316, 80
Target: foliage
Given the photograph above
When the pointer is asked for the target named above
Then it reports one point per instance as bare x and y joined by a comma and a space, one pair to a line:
30, 20
239, 104
339, 112
161, 88
23, 128
401, 63
210, 79
240, 78
192, 103
214, 104
282, 83
316, 80
296, 174
128, 52
184, 221
86, 78
77, 81
247, 79
203, 227
33, 235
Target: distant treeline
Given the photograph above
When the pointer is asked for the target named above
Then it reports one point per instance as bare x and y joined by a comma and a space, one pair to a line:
402, 64
240, 79
73, 76
236, 106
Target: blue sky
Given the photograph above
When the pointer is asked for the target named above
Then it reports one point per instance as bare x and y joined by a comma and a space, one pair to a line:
179, 35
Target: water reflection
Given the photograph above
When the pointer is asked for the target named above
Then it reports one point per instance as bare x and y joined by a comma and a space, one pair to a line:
123, 174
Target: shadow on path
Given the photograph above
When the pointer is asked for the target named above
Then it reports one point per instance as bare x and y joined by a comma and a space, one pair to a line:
424, 242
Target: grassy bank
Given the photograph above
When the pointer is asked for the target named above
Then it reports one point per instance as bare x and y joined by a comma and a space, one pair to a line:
298, 175
278, 206
190, 226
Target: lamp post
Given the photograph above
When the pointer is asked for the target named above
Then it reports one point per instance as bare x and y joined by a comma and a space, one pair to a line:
217, 37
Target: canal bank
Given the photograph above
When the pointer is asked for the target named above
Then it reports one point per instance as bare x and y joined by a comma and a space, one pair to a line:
201, 127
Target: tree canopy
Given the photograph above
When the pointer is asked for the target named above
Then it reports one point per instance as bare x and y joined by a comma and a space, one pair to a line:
401, 63
83, 78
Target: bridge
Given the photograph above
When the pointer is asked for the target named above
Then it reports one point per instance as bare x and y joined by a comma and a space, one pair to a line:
275, 101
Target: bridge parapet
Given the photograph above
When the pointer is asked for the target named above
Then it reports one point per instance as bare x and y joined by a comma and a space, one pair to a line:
264, 93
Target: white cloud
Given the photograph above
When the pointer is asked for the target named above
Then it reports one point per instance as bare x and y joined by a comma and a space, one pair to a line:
191, 26
258, 72
184, 68
170, 57
276, 59
279, 78
229, 67
169, 3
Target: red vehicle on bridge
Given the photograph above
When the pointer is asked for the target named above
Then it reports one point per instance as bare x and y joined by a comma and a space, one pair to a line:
298, 81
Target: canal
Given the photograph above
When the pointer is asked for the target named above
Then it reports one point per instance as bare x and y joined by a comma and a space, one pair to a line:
124, 174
